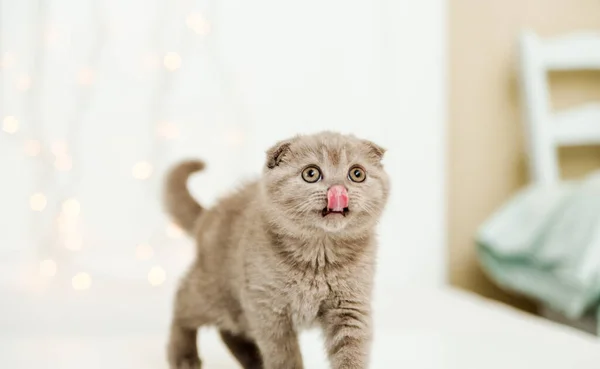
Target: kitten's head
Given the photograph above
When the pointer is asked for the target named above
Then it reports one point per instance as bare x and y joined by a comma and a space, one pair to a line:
326, 181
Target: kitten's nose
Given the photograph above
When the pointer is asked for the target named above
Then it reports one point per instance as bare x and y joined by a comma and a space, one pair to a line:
337, 198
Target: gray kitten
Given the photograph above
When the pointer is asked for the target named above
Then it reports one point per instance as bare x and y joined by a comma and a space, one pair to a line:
293, 249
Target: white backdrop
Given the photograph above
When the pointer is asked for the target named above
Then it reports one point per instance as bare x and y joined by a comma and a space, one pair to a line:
114, 83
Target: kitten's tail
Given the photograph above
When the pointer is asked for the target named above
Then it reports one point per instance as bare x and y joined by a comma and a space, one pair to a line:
179, 203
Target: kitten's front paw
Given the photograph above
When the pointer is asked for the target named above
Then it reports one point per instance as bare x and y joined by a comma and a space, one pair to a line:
186, 362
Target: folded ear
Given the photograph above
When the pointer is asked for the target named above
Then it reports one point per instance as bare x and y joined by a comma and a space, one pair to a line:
276, 153
374, 150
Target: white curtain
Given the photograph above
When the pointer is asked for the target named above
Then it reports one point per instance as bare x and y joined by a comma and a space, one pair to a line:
111, 90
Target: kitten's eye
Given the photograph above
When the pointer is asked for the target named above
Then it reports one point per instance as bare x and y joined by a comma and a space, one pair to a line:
357, 174
311, 174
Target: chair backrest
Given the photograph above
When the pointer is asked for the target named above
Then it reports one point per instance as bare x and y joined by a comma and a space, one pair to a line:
547, 130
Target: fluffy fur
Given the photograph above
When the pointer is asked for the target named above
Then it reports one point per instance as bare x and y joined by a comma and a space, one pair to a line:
270, 264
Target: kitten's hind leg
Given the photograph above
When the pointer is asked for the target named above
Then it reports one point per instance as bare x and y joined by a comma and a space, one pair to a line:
243, 349
189, 314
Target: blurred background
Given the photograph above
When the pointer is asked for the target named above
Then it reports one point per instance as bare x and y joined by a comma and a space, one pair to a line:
98, 98
487, 119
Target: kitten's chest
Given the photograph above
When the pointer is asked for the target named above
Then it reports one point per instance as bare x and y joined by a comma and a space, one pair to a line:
305, 302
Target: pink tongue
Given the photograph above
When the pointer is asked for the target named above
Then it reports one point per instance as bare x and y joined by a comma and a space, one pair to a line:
337, 198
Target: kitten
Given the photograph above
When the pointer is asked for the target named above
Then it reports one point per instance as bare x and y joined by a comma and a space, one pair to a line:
293, 249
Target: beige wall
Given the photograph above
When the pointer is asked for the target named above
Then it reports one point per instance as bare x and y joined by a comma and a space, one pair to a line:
486, 160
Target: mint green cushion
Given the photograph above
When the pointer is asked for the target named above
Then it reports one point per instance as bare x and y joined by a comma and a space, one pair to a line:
545, 243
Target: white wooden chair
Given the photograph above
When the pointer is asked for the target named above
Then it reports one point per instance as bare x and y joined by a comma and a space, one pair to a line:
547, 130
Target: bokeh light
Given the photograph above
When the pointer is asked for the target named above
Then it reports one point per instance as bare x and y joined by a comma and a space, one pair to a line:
85, 76
157, 276
10, 124
23, 83
144, 251
174, 231
197, 23
81, 281
32, 147
64, 163
71, 207
142, 170
38, 201
172, 61
167, 130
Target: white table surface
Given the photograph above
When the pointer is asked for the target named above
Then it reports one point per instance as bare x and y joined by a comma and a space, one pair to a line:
124, 327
